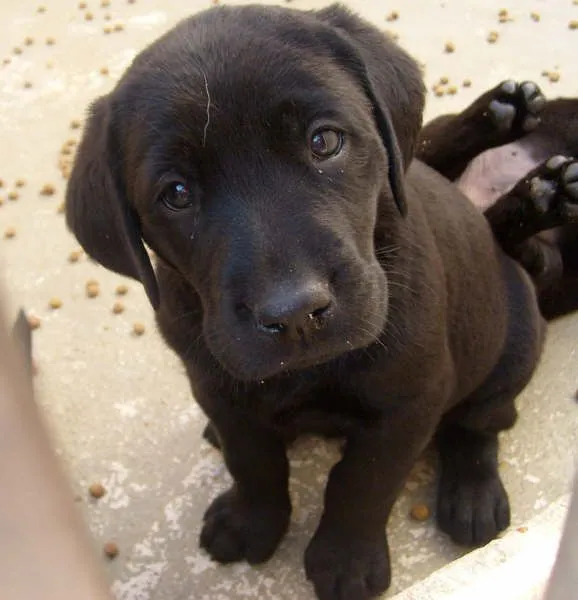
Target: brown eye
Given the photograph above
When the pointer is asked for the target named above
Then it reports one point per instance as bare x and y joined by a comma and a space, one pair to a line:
326, 143
178, 196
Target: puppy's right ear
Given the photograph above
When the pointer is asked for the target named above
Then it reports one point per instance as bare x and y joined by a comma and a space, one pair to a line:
97, 209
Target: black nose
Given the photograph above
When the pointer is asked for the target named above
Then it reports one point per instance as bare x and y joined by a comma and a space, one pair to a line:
296, 311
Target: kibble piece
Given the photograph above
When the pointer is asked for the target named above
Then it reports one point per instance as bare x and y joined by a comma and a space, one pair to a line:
119, 27
50, 41
75, 124
493, 37
92, 289
20, 183
7, 60
449, 47
105, 3
34, 322
522, 529
27, 85
138, 328
28, 41
55, 303
467, 83
573, 25
13, 196
9, 233
97, 490
420, 512
554, 76
107, 29
110, 550
88, 16
41, 9
444, 80
392, 16
452, 90
107, 17
118, 308
438, 91
74, 256
121, 289
17, 50
535, 16
82, 5
104, 71
47, 190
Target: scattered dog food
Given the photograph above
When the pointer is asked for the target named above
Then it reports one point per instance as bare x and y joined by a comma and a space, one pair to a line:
20, 183
47, 190
92, 289
105, 3
138, 328
13, 196
493, 37
55, 303
118, 308
28, 41
104, 71
74, 256
119, 27
420, 512
467, 83
522, 529
110, 550
449, 47
88, 16
41, 9
535, 16
27, 85
82, 6
9, 233
17, 50
50, 41
444, 80
452, 90
97, 490
75, 124
504, 16
573, 25
392, 16
121, 289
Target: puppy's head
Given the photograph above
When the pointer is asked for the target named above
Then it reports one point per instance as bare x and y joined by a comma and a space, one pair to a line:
250, 148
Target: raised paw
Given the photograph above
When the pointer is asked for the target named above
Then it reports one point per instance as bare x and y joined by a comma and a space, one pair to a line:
235, 529
550, 192
514, 108
472, 511
345, 569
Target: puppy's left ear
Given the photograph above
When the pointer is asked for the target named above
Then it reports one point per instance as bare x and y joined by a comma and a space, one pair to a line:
391, 80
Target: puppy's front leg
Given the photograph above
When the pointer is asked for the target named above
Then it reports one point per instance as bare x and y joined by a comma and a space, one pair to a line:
348, 556
248, 521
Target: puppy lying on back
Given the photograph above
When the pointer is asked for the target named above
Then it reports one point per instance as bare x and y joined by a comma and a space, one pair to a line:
310, 275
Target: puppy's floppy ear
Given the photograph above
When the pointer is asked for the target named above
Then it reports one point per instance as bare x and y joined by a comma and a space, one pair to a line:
391, 80
97, 209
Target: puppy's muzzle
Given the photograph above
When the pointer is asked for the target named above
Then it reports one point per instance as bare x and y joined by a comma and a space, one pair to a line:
294, 311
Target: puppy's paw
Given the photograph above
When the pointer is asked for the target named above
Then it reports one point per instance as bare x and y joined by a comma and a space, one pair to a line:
235, 529
344, 569
514, 108
550, 192
472, 511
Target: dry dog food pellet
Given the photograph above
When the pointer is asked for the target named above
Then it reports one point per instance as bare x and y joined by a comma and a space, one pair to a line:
105, 3
27, 85
74, 124
9, 233
28, 41
444, 80
493, 37
452, 90
20, 183
554, 76
535, 16
107, 17
74, 256
92, 290
50, 41
41, 9
119, 27
449, 47
55, 303
82, 6
121, 289
47, 189
34, 322
138, 328
467, 83
17, 50
420, 512
110, 550
88, 16
13, 196
573, 25
117, 308
522, 529
438, 91
107, 29
392, 16
97, 490
104, 71
7, 61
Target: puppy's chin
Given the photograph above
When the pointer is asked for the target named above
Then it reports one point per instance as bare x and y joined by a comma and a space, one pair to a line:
249, 355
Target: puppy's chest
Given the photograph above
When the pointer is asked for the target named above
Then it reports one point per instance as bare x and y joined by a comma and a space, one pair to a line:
327, 410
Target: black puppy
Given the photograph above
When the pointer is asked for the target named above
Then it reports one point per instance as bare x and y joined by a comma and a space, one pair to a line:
310, 275
511, 153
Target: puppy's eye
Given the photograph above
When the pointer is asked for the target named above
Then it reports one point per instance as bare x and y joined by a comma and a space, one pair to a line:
178, 196
326, 143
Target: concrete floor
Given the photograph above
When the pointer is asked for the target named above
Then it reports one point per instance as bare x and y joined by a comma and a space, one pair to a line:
119, 404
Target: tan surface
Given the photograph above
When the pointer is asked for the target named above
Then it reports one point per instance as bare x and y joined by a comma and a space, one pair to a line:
119, 404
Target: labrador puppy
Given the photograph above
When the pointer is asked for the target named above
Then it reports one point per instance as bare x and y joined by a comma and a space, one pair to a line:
311, 276
515, 155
